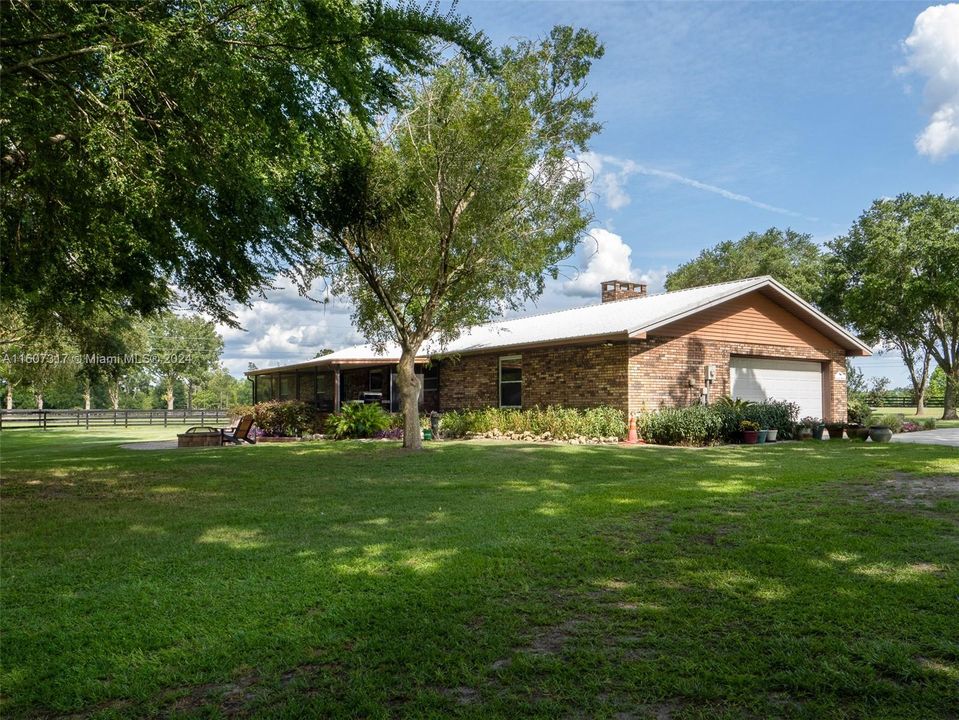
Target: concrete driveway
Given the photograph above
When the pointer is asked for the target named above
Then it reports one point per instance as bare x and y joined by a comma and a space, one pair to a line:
945, 436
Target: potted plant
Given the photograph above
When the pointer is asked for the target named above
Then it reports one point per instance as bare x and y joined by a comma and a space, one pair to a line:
858, 432
750, 432
880, 433
771, 434
803, 431
762, 436
814, 424
835, 430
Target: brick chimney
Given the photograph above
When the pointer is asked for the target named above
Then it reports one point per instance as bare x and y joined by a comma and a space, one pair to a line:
614, 290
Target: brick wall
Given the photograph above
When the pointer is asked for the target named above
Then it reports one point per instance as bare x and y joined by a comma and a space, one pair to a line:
577, 376
660, 370
641, 374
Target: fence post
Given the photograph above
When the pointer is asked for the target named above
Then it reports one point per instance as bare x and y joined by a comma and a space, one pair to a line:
88, 419
44, 414
126, 418
165, 411
202, 413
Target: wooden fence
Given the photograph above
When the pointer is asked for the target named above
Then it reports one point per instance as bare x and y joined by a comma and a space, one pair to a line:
909, 400
86, 419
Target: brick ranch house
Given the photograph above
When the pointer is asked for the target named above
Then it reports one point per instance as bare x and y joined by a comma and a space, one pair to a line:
753, 339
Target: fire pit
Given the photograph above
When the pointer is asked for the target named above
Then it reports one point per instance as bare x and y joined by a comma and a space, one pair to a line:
200, 437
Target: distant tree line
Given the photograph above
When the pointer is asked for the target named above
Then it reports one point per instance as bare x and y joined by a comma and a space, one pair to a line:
167, 361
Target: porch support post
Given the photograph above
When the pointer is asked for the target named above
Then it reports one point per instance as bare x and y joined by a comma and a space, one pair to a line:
336, 388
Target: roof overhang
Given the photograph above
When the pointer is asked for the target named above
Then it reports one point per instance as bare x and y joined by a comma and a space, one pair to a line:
784, 297
509, 347
331, 364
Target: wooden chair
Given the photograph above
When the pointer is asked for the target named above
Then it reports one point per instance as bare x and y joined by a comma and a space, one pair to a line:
242, 432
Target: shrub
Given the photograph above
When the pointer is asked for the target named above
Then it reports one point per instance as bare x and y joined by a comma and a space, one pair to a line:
774, 415
728, 403
909, 426
695, 425
238, 411
770, 415
858, 411
358, 420
749, 426
285, 418
562, 423
928, 423
891, 421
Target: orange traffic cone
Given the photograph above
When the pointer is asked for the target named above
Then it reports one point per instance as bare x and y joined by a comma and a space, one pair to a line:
632, 438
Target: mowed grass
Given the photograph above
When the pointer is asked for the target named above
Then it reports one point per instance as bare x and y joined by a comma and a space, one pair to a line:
909, 413
478, 580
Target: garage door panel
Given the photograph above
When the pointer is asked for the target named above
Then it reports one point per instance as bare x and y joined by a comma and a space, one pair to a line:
761, 379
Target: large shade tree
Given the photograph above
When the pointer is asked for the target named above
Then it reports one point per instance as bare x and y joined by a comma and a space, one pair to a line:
895, 278
461, 204
150, 141
793, 258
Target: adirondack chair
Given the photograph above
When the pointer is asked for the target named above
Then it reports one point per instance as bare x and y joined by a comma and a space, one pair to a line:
243, 432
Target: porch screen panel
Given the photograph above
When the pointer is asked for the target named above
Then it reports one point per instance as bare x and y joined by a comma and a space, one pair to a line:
287, 387
264, 388
324, 391
306, 387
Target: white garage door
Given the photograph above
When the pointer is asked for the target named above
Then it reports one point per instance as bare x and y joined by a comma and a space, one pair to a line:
797, 381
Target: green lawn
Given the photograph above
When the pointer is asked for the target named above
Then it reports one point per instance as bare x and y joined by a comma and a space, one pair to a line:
910, 414
478, 580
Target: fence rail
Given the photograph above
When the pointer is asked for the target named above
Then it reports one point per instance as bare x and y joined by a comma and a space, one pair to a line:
86, 419
909, 400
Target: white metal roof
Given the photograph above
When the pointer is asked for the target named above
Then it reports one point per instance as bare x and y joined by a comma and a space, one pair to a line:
633, 317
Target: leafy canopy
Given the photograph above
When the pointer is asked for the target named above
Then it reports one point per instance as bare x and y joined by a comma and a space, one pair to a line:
149, 141
895, 278
790, 257
457, 209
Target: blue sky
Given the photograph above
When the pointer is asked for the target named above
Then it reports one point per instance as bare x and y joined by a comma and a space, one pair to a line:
718, 119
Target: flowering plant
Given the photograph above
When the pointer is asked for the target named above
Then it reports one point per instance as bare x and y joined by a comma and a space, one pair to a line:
810, 421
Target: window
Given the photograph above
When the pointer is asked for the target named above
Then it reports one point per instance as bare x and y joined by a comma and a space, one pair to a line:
511, 381
431, 378
376, 380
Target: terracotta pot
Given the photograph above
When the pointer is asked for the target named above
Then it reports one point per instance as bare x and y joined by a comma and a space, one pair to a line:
750, 437
880, 433
771, 435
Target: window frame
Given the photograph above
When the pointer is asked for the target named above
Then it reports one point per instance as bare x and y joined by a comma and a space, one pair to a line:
510, 382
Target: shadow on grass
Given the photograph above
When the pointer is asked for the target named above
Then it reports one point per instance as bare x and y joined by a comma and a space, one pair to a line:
476, 579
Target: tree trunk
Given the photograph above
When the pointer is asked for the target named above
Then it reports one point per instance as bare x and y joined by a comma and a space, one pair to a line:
409, 388
86, 394
169, 395
189, 396
9, 396
949, 403
115, 395
39, 397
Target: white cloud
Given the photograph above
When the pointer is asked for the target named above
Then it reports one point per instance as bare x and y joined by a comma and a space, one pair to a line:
602, 256
286, 327
932, 51
610, 175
